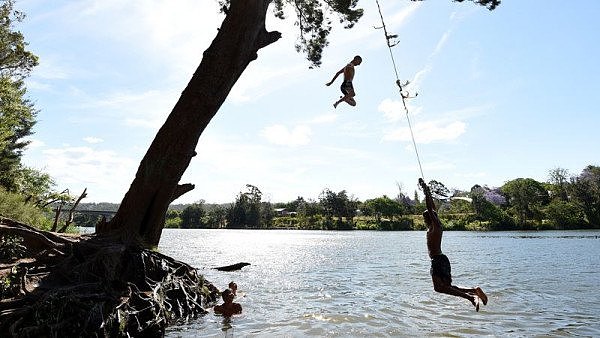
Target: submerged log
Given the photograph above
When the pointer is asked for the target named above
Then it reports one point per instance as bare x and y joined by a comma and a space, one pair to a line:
93, 286
232, 267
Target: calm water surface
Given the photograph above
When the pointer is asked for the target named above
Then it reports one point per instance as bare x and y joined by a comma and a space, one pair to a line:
377, 284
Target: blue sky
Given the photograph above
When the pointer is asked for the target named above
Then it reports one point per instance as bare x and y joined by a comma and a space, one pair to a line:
504, 94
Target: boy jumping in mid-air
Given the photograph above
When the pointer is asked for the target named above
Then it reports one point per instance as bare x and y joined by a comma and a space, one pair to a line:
346, 87
440, 265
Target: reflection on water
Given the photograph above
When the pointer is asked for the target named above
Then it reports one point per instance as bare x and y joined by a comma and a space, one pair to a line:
361, 283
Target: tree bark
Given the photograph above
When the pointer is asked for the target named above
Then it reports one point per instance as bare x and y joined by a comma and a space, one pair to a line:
142, 211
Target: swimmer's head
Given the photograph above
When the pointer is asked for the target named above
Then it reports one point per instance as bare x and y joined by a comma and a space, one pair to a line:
227, 295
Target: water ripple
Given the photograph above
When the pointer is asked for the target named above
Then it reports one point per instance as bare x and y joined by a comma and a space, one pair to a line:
377, 284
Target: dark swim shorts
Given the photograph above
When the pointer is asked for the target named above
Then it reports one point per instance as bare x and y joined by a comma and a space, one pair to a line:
346, 87
440, 266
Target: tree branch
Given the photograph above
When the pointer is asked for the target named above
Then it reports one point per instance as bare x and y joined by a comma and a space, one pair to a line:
58, 211
29, 235
11, 226
70, 218
267, 38
182, 189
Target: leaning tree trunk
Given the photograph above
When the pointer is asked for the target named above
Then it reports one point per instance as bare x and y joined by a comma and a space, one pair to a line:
156, 184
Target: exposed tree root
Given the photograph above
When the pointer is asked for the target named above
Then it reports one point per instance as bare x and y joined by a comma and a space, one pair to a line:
92, 286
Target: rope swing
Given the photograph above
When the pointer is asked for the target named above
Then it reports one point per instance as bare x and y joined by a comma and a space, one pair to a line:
390, 41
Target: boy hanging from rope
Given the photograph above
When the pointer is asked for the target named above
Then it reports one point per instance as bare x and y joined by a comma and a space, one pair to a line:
440, 265
346, 87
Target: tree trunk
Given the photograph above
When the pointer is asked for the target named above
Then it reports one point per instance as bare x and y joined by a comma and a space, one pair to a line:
142, 212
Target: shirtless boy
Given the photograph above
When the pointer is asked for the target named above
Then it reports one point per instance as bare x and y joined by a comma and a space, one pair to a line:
346, 87
228, 308
440, 265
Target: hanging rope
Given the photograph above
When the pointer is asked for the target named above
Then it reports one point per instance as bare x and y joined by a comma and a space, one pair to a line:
389, 39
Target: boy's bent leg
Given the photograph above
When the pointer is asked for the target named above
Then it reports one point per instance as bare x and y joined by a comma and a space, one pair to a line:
441, 287
350, 98
347, 98
474, 291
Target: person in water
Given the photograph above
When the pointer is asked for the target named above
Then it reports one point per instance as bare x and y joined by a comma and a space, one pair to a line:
233, 287
346, 87
228, 308
440, 265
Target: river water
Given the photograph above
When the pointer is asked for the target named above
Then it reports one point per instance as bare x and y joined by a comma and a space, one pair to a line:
377, 284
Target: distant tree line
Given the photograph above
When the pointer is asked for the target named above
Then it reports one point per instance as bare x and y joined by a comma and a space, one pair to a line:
564, 202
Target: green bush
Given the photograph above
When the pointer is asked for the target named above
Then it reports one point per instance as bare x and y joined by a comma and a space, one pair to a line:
286, 222
9, 285
565, 215
13, 206
366, 223
173, 223
478, 226
86, 220
11, 247
371, 223
314, 222
418, 222
403, 223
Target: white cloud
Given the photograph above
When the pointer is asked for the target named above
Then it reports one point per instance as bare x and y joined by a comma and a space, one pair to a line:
78, 162
223, 156
35, 143
415, 85
180, 29
356, 129
264, 78
48, 69
393, 110
104, 172
281, 135
93, 140
146, 109
428, 132
441, 43
224, 166
400, 18
420, 76
324, 118
121, 99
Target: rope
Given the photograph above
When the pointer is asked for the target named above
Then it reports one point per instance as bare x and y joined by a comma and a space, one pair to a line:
388, 37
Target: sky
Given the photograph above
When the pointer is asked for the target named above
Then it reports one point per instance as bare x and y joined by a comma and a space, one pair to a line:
504, 94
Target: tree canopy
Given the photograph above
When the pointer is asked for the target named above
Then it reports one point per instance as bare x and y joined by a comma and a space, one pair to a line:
15, 60
315, 19
17, 112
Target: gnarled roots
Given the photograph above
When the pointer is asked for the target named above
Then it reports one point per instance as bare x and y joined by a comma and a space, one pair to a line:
88, 286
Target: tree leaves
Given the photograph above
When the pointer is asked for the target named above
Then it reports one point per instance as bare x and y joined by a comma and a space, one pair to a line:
314, 19
17, 113
15, 60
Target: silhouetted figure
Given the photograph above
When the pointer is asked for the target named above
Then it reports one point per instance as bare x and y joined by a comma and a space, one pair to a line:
233, 287
440, 265
228, 308
347, 88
